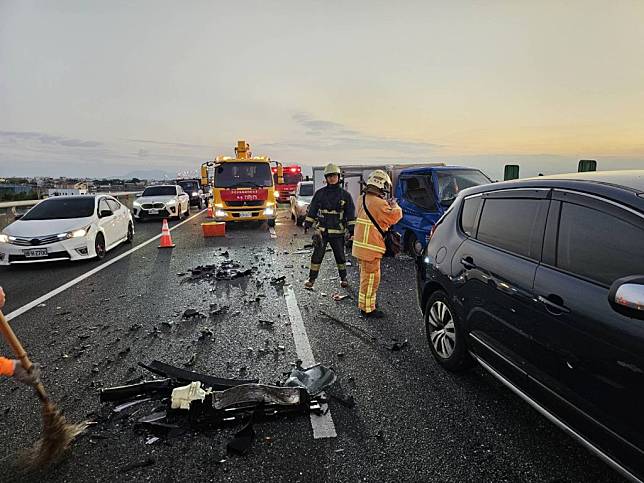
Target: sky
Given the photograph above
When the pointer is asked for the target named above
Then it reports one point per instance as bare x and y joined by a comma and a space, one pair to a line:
96, 88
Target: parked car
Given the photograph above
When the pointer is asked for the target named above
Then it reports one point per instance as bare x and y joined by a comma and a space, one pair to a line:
162, 201
542, 282
193, 189
301, 200
67, 228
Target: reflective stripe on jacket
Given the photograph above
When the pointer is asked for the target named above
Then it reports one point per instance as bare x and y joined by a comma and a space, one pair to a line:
368, 243
332, 210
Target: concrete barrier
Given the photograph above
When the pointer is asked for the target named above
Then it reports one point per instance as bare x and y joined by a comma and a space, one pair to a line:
9, 209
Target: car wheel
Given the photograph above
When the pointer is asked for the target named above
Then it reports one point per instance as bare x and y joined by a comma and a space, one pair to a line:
130, 233
445, 334
99, 246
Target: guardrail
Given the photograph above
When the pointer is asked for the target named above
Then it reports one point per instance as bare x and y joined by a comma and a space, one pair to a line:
9, 209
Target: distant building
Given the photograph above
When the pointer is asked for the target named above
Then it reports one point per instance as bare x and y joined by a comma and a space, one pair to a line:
67, 189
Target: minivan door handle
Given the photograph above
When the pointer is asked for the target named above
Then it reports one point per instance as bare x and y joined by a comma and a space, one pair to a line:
554, 304
468, 263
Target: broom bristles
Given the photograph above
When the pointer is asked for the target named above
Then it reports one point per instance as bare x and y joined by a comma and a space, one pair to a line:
56, 437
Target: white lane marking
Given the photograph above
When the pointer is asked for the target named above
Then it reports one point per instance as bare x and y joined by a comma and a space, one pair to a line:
271, 230
82, 277
323, 426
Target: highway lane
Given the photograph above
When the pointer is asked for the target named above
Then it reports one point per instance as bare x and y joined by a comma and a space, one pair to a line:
412, 421
30, 281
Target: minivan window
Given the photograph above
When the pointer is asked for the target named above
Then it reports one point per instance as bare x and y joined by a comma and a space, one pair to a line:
468, 215
516, 225
451, 182
417, 191
597, 245
306, 189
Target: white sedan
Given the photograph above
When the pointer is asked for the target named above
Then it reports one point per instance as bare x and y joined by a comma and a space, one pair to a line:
67, 228
162, 201
301, 200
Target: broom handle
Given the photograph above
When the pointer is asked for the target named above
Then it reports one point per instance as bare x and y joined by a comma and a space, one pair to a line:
19, 351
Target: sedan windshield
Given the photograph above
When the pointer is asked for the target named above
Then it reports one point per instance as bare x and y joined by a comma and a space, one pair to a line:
61, 208
451, 182
243, 175
160, 191
306, 190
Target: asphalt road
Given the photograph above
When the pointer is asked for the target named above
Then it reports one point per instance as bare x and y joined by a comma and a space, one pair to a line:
412, 420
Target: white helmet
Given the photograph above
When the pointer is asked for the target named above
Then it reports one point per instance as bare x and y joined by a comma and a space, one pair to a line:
379, 179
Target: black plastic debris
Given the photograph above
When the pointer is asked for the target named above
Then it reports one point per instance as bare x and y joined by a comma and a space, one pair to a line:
347, 401
184, 376
216, 310
191, 314
243, 439
397, 345
266, 323
146, 388
228, 270
278, 280
314, 379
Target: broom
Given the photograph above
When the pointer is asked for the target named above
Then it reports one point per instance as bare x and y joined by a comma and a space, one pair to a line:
57, 433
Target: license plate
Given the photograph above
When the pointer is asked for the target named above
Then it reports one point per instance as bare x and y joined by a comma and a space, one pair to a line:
35, 253
153, 212
245, 214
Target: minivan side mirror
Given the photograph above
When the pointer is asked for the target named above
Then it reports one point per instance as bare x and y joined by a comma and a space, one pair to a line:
626, 296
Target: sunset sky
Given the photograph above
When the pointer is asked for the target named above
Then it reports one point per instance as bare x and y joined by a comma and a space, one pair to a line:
104, 88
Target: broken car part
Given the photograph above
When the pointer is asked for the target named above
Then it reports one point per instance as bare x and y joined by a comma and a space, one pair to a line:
314, 379
184, 376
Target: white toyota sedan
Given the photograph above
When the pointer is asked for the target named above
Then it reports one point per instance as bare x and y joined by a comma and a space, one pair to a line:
67, 228
162, 201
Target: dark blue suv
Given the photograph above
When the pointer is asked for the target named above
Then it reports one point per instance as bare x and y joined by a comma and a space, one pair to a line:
541, 281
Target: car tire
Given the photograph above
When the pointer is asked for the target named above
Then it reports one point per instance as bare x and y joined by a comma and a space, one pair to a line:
445, 333
99, 246
130, 233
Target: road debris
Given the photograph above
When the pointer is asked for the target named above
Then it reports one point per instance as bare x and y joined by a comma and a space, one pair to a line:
137, 464
192, 314
228, 270
397, 345
314, 379
337, 296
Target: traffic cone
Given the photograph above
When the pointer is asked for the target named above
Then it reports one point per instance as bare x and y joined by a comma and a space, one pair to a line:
210, 214
166, 239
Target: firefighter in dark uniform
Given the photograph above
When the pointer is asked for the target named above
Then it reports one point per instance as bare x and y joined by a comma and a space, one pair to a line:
333, 213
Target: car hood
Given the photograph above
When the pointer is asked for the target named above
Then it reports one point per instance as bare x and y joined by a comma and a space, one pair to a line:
156, 199
36, 228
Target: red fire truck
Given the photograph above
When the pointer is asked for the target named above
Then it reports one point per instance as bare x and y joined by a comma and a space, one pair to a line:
292, 175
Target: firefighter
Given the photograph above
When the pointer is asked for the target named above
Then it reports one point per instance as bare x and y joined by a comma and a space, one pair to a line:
13, 367
368, 243
333, 213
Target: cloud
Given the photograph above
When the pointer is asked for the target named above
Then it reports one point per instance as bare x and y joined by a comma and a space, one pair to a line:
327, 135
171, 144
12, 137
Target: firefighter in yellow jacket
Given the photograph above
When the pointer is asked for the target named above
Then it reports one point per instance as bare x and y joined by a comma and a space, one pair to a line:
368, 243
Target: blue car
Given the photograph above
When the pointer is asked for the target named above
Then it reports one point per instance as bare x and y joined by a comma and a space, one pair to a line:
424, 194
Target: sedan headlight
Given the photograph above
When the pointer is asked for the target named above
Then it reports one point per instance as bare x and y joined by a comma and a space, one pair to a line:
136, 204
4, 238
74, 234
171, 202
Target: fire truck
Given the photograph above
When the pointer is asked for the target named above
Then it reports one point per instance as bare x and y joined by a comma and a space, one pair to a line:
291, 175
243, 187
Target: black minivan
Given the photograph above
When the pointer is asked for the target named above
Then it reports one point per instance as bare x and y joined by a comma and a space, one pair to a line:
541, 281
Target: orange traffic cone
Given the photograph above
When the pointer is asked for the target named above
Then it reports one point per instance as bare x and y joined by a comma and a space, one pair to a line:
166, 239
210, 214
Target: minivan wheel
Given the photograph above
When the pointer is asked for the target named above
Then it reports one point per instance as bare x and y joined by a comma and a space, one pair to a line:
130, 233
445, 334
